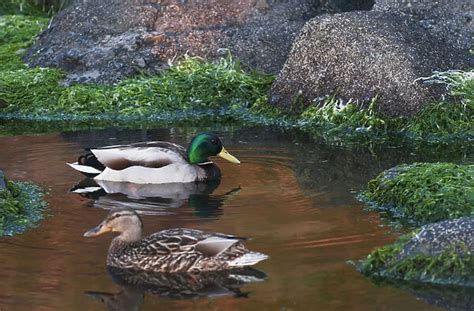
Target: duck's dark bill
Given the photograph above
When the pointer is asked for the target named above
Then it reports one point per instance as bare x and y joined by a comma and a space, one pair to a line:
100, 229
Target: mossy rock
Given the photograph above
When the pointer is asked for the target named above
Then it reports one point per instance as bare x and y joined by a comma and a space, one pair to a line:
441, 253
423, 193
21, 206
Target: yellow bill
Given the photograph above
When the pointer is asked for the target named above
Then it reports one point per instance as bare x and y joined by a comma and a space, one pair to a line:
226, 155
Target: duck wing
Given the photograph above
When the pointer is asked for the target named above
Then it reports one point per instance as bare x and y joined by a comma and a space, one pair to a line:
182, 239
153, 154
178, 250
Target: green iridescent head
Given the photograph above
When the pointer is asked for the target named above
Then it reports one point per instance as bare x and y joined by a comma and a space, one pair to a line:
205, 145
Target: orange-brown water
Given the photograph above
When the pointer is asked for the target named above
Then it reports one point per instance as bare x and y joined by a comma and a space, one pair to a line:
296, 202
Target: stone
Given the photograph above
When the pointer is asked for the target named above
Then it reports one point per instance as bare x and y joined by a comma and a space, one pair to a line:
452, 21
361, 55
111, 35
436, 238
3, 185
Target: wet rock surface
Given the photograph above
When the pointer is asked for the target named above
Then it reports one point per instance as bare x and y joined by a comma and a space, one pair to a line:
359, 55
106, 41
443, 236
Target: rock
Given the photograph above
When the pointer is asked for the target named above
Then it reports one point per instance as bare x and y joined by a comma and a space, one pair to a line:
440, 253
442, 236
452, 21
360, 55
117, 38
3, 185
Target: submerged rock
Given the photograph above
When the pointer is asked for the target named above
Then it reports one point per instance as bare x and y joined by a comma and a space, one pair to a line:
105, 41
441, 253
361, 55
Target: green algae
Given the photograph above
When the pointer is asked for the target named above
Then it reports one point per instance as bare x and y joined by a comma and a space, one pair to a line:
17, 33
39, 8
21, 207
450, 267
423, 193
190, 84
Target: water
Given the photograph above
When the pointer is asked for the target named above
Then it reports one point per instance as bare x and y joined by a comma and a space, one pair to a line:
294, 197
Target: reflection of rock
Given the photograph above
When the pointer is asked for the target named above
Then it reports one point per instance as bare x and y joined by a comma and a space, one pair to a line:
109, 194
107, 40
175, 286
341, 170
360, 55
448, 297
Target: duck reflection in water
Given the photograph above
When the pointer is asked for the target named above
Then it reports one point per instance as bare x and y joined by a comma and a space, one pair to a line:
212, 285
109, 194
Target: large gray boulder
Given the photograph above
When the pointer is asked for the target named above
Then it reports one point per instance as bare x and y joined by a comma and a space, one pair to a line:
360, 55
452, 21
108, 40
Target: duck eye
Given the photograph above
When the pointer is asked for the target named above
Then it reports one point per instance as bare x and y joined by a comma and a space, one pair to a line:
214, 141
115, 216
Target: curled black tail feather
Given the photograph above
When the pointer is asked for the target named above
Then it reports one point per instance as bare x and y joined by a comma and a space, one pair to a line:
89, 159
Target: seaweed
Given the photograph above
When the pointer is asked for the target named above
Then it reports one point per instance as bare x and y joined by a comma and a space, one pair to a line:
21, 207
422, 193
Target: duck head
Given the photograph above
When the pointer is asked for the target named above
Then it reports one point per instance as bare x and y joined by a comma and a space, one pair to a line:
205, 145
125, 221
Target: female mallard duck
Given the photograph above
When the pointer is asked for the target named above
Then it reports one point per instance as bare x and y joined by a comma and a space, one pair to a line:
172, 250
155, 162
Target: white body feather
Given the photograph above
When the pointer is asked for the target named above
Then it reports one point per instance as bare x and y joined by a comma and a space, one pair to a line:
143, 155
84, 168
248, 259
173, 173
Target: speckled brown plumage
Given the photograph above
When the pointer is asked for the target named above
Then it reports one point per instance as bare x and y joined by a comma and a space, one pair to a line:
171, 250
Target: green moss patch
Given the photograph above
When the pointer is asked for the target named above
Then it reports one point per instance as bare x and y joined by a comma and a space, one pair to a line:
39, 8
449, 267
16, 35
423, 193
21, 207
191, 84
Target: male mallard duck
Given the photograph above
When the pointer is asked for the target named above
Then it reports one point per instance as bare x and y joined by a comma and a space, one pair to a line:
155, 162
171, 250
